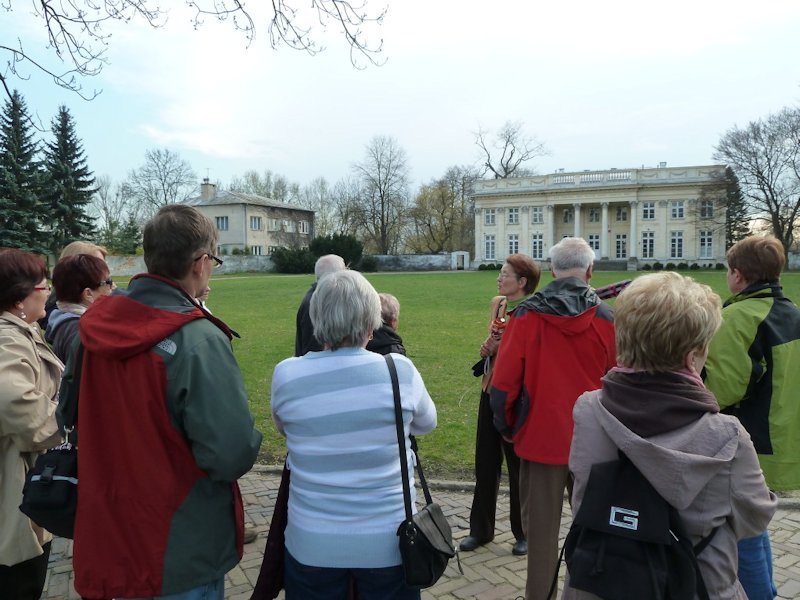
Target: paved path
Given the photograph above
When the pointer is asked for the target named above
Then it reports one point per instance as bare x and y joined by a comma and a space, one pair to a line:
490, 573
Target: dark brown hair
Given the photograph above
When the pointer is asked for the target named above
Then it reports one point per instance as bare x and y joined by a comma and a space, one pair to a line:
757, 258
176, 236
20, 272
74, 274
525, 266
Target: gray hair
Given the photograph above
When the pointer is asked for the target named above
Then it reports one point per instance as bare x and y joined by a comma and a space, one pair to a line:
571, 254
345, 309
390, 308
330, 263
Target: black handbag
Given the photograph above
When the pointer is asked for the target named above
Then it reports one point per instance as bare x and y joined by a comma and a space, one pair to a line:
426, 541
50, 494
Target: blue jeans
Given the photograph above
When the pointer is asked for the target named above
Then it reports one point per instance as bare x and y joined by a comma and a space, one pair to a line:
302, 582
213, 590
755, 567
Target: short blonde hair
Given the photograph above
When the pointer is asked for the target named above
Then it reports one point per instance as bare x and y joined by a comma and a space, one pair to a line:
345, 309
660, 318
390, 307
80, 247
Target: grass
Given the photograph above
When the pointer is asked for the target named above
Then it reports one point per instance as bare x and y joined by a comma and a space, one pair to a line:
442, 321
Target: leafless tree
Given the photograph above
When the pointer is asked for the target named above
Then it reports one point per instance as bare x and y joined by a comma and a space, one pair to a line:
381, 209
78, 37
164, 178
111, 204
317, 196
346, 197
506, 153
765, 155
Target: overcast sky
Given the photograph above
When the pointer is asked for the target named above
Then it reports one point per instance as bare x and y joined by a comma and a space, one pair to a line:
602, 84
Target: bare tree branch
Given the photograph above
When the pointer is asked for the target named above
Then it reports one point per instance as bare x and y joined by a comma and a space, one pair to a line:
77, 36
511, 147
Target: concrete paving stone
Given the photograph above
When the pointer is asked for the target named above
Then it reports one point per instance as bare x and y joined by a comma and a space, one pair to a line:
491, 572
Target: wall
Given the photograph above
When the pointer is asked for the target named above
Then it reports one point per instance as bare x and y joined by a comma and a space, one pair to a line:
127, 266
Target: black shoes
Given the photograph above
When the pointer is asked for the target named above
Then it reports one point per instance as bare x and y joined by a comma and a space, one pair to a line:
469, 543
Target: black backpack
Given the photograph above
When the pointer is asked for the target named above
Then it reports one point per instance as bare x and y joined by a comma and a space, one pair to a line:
628, 543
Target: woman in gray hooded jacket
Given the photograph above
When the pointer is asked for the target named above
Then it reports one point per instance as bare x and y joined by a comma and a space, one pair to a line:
655, 408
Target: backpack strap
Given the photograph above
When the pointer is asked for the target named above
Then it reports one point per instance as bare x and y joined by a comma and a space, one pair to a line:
702, 591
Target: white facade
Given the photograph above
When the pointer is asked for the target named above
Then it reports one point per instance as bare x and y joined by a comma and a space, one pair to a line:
674, 214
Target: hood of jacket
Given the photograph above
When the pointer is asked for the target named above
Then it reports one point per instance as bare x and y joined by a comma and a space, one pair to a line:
120, 327
567, 303
56, 318
680, 462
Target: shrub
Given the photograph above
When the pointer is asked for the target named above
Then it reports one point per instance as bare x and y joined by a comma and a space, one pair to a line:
481, 267
720, 267
368, 264
293, 260
670, 266
682, 266
346, 246
657, 266
647, 267
236, 252
694, 267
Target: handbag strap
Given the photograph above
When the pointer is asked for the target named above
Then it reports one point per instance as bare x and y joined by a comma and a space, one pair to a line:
401, 444
69, 413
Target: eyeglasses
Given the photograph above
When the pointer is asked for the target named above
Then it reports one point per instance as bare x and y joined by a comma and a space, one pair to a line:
217, 260
43, 288
109, 282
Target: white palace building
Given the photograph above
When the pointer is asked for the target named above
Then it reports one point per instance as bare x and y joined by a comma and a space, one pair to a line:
635, 216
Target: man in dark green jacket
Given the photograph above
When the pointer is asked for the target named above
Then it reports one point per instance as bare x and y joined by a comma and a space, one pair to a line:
752, 369
165, 428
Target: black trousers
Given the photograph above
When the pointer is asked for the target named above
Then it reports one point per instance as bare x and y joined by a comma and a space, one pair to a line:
490, 448
25, 580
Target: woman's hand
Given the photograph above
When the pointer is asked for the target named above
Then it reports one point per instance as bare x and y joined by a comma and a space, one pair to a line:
490, 346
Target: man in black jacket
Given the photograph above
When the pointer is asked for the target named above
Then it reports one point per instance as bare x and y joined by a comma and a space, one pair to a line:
386, 339
304, 340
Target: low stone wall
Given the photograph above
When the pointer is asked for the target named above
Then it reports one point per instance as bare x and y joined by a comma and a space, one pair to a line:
127, 266
414, 262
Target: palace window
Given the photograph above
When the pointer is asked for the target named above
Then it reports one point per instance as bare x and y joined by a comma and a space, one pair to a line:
488, 247
677, 209
706, 244
488, 216
537, 214
622, 245
513, 216
513, 243
676, 244
648, 244
648, 211
537, 246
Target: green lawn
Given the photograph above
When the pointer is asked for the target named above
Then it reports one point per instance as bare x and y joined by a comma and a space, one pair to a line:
442, 322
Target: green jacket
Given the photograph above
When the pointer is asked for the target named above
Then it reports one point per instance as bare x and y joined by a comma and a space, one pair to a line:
753, 369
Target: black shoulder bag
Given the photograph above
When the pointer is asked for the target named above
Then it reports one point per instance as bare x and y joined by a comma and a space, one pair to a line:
50, 494
426, 541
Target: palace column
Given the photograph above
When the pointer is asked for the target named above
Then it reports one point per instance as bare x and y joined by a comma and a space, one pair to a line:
576, 213
633, 244
604, 231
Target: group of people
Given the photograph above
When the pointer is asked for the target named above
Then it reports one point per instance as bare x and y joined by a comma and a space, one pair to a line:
698, 396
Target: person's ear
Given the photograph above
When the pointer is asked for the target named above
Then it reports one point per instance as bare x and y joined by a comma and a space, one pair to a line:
87, 296
589, 273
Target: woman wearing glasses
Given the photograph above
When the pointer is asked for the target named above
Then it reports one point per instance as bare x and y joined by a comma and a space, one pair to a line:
29, 378
79, 281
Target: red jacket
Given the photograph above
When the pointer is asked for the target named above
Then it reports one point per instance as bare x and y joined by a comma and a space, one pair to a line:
557, 345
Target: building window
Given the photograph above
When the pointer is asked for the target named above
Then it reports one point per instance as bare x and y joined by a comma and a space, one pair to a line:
255, 223
271, 249
488, 216
255, 250
274, 224
676, 209
622, 214
513, 243
594, 241
513, 216
648, 244
537, 214
622, 245
594, 215
488, 247
222, 223
537, 246
706, 244
706, 210
648, 211
676, 244
569, 215
302, 226
289, 225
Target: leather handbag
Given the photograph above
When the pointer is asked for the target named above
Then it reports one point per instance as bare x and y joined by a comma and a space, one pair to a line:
50, 494
270, 578
426, 541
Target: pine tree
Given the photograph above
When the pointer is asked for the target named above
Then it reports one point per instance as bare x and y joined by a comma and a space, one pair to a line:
737, 217
69, 187
20, 180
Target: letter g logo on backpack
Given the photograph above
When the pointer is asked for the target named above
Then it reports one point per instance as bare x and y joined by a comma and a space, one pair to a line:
624, 517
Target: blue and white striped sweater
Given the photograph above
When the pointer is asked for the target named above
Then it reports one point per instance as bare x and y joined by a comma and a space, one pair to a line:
336, 410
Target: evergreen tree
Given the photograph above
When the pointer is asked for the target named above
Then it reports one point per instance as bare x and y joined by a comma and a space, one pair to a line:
20, 180
737, 217
70, 185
